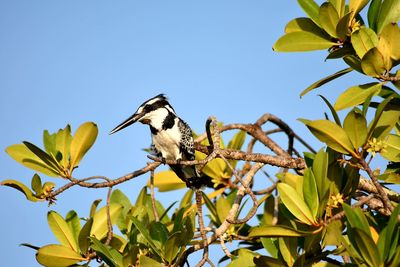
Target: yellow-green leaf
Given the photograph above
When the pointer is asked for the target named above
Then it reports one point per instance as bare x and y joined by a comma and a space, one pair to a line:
84, 138
389, 13
342, 28
99, 226
63, 144
295, 204
355, 126
356, 6
311, 8
167, 181
276, 231
57, 256
304, 25
356, 95
363, 40
389, 44
392, 149
339, 6
22, 154
328, 18
61, 230
22, 188
301, 41
331, 134
373, 63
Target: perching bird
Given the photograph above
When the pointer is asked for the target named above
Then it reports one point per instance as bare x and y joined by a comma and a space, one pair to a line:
171, 137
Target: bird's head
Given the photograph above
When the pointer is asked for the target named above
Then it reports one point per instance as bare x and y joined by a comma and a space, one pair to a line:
152, 112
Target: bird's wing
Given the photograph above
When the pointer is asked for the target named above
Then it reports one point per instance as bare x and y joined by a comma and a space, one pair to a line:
187, 143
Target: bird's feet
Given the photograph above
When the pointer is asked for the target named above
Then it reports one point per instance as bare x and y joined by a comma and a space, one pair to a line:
163, 160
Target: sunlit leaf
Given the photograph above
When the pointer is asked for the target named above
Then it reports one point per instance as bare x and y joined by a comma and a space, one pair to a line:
389, 44
363, 40
49, 142
356, 218
355, 126
310, 192
36, 184
325, 80
304, 25
373, 12
276, 231
83, 139
331, 134
22, 154
167, 181
146, 234
22, 188
386, 123
311, 8
100, 227
301, 41
148, 262
389, 13
110, 255
328, 18
61, 230
378, 114
392, 149
295, 204
373, 63
356, 6
339, 6
74, 224
63, 143
57, 256
356, 95
84, 234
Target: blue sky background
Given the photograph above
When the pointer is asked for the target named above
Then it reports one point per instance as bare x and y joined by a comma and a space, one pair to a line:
74, 61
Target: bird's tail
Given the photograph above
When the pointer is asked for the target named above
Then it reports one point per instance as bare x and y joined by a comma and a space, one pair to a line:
191, 176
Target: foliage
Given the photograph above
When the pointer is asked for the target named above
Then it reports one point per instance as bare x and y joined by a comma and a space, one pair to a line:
325, 211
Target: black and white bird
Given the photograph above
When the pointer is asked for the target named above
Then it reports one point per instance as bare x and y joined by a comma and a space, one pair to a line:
171, 137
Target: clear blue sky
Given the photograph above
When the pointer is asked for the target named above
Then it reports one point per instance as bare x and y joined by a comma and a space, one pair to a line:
74, 61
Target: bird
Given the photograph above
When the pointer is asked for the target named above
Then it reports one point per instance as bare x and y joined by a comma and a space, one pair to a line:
172, 137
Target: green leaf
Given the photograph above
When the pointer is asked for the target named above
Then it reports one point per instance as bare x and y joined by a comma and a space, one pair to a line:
320, 171
339, 6
222, 207
74, 224
378, 113
301, 41
26, 157
342, 28
295, 204
356, 218
333, 111
61, 230
276, 231
110, 255
84, 138
388, 44
36, 184
325, 80
390, 234
310, 192
49, 141
373, 12
363, 40
63, 144
386, 123
331, 134
367, 248
355, 126
373, 63
167, 181
172, 246
187, 199
392, 149
212, 209
311, 8
84, 234
93, 208
356, 95
148, 262
288, 250
22, 188
354, 62
57, 256
46, 158
158, 233
389, 13
100, 227
356, 6
267, 261
145, 233
329, 18
304, 25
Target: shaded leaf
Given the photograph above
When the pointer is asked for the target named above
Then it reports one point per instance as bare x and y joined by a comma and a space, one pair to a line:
373, 63
373, 12
84, 234
61, 230
333, 111
145, 233
22, 188
331, 134
295, 204
356, 218
63, 144
36, 184
385, 124
57, 256
84, 138
343, 26
356, 95
46, 158
366, 247
378, 113
148, 262
305, 25
108, 254
93, 207
310, 192
325, 80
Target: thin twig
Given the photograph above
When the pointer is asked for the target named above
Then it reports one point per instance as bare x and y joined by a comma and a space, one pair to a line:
198, 196
153, 199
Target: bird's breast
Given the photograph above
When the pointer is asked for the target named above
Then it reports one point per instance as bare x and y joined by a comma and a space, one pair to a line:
167, 142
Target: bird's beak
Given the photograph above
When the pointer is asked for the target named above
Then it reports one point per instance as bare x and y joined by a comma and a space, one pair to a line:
132, 119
